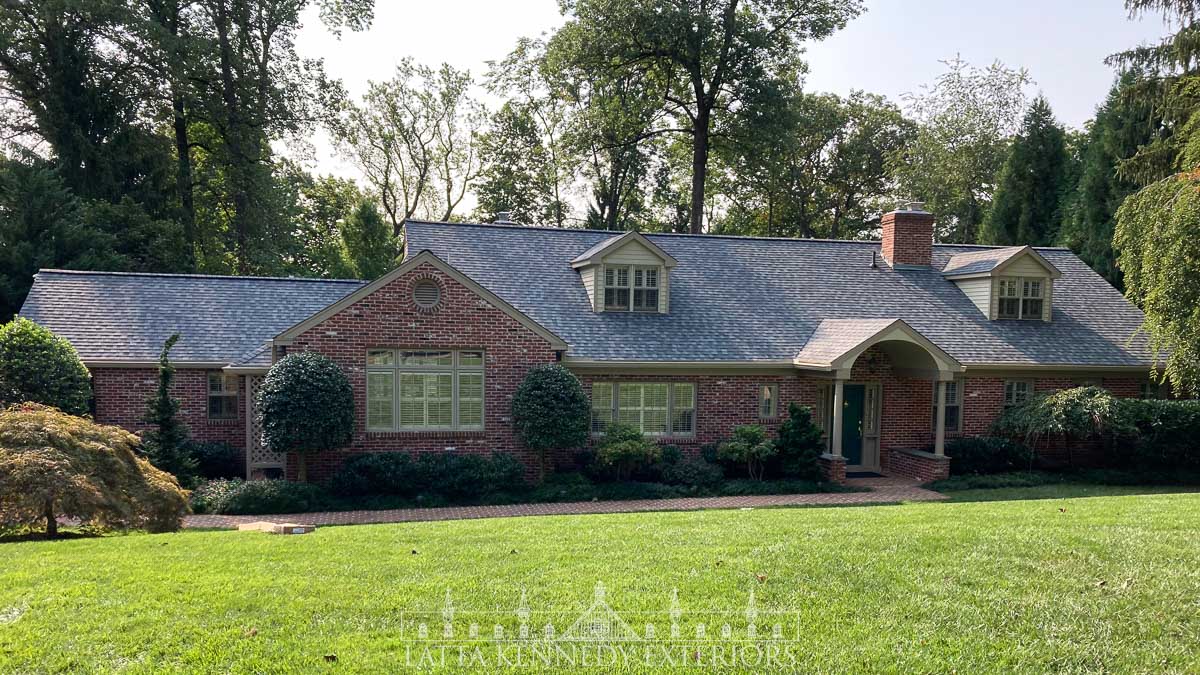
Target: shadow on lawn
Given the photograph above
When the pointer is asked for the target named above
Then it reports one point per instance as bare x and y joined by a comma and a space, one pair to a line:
1063, 491
63, 535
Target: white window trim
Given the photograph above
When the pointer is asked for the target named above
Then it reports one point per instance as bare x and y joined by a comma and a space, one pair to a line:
223, 393
959, 385
632, 286
670, 431
1021, 297
1028, 395
455, 370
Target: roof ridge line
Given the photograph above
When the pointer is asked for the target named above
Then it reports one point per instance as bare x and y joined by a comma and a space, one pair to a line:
196, 276
542, 228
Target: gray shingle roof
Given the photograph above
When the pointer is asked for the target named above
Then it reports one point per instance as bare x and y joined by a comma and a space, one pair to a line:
984, 260
753, 299
834, 337
126, 317
595, 249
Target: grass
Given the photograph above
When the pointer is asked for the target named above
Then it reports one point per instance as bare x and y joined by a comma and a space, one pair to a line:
1089, 584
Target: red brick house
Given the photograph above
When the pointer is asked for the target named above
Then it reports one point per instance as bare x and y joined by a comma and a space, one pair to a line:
897, 344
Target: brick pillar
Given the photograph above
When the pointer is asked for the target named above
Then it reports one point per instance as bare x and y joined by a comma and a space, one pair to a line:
833, 467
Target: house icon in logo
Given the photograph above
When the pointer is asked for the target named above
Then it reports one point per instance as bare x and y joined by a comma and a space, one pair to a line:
599, 623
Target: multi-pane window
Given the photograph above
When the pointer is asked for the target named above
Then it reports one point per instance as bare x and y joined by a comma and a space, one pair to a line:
631, 288
654, 408
1020, 298
424, 390
1017, 392
953, 405
1151, 390
222, 396
768, 401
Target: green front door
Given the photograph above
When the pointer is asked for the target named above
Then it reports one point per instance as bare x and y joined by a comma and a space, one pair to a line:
852, 423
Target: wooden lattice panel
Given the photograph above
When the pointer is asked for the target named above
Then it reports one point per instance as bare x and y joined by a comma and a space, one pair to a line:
257, 457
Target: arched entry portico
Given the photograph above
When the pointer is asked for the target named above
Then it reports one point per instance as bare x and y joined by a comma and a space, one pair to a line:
834, 348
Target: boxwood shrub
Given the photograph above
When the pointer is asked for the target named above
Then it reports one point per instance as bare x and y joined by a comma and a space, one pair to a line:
450, 476
258, 497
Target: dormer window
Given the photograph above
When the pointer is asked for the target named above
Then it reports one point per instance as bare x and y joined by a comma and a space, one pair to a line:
626, 273
1020, 298
1005, 283
626, 283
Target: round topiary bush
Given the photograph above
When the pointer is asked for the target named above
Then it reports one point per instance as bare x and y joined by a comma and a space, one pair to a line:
307, 405
551, 411
55, 465
37, 365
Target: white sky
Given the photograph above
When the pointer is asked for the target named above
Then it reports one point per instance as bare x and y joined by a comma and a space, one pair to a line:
893, 48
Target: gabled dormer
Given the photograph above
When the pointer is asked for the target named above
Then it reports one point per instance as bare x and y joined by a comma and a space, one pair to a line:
626, 273
1014, 283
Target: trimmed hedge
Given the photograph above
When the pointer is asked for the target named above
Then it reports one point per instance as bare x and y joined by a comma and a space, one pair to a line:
40, 367
258, 497
987, 454
1148, 435
449, 476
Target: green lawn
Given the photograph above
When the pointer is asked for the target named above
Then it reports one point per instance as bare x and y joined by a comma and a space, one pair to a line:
1088, 584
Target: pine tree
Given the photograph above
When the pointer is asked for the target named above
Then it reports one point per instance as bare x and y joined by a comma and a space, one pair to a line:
1026, 206
1122, 125
370, 246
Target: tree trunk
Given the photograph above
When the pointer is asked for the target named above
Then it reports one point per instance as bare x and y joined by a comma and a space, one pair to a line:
699, 170
183, 178
51, 520
233, 136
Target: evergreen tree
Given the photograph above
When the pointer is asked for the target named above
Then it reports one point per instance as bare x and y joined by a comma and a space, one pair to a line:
166, 442
1122, 125
368, 241
1026, 206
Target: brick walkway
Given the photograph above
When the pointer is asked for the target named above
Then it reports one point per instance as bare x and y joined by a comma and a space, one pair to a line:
883, 490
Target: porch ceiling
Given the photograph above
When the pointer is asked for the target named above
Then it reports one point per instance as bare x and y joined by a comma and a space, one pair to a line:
837, 343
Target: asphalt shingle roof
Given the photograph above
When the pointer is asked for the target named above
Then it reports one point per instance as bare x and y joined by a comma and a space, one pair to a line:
834, 337
984, 260
127, 316
756, 299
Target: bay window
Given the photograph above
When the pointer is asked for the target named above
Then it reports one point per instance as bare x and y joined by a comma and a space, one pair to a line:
424, 390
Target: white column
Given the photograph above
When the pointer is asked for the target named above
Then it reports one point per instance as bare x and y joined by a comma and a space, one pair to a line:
939, 437
838, 401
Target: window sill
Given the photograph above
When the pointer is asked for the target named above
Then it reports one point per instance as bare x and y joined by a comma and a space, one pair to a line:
427, 433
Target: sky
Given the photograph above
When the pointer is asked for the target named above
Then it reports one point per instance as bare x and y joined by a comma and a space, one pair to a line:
893, 48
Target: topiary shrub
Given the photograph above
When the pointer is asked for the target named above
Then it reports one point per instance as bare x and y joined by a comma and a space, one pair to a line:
307, 405
988, 454
239, 497
551, 412
625, 450
55, 465
37, 365
216, 459
799, 445
749, 446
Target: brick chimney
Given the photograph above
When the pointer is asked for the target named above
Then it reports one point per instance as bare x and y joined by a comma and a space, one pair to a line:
908, 236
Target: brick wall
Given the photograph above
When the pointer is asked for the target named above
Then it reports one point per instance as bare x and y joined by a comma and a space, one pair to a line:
388, 318
724, 401
121, 395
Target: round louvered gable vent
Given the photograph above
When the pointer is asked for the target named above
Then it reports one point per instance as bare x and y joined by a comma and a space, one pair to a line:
427, 294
